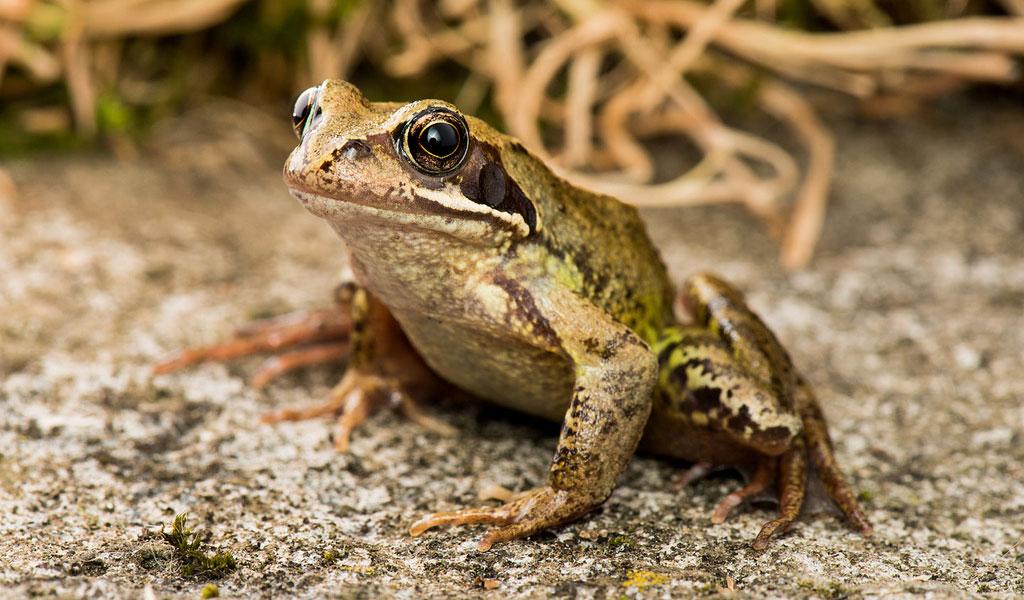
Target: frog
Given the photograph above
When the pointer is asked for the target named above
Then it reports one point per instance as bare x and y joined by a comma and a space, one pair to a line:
475, 268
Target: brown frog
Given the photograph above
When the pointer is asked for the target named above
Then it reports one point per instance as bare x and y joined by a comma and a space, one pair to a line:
476, 266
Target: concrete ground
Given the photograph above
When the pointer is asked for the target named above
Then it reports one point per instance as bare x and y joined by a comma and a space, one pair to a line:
910, 322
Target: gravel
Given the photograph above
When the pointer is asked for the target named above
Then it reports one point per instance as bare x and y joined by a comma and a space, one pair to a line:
910, 322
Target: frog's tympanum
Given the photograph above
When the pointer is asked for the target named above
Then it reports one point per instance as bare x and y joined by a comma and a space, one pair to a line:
476, 266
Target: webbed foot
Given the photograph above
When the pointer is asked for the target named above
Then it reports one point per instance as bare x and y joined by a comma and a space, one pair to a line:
356, 397
383, 369
524, 514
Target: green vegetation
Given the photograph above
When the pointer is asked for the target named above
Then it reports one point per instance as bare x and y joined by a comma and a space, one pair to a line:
188, 550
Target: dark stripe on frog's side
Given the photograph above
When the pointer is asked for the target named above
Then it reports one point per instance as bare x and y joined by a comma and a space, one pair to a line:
596, 244
523, 308
770, 437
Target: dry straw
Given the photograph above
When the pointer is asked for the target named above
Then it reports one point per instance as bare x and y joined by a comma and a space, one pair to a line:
585, 83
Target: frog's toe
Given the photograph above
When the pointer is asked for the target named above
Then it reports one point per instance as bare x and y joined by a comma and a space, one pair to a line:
792, 482
494, 515
762, 477
276, 366
358, 396
697, 471
413, 410
527, 513
319, 335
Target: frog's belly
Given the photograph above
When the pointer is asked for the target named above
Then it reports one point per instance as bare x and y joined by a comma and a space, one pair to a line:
506, 371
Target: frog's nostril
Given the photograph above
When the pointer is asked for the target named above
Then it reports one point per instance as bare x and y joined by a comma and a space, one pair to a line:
355, 149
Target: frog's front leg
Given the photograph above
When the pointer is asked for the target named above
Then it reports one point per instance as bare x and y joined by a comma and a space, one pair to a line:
615, 375
383, 370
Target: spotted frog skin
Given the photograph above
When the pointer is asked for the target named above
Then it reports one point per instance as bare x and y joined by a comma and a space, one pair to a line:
476, 266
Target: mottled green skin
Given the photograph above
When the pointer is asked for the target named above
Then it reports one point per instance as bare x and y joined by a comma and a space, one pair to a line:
588, 238
553, 302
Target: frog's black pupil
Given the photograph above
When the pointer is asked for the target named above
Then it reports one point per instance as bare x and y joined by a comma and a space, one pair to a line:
440, 139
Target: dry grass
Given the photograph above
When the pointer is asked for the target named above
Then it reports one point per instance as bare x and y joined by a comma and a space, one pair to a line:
586, 83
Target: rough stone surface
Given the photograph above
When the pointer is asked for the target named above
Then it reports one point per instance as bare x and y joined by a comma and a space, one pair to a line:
910, 322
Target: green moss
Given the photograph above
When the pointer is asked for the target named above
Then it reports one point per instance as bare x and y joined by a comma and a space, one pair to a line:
188, 550
113, 115
865, 496
332, 554
210, 590
620, 541
641, 579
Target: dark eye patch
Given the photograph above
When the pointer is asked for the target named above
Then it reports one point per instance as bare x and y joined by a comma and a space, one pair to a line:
494, 188
492, 185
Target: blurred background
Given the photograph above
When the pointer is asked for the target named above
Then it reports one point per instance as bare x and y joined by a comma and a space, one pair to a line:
647, 100
855, 166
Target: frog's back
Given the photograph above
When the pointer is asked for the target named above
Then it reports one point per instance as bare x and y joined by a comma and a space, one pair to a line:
599, 246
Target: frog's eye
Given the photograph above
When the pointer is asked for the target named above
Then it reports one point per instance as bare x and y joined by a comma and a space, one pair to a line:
435, 141
302, 110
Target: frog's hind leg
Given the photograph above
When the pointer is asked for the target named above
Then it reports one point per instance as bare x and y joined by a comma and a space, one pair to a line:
814, 447
312, 337
819, 449
792, 484
758, 355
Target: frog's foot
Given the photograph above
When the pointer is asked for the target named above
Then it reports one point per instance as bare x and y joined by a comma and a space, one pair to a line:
315, 336
813, 447
355, 398
820, 452
792, 488
524, 514
307, 356
762, 477
698, 470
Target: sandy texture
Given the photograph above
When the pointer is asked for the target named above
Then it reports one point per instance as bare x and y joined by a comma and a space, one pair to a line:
910, 322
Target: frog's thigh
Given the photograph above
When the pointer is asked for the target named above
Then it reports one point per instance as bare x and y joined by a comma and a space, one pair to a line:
719, 307
703, 384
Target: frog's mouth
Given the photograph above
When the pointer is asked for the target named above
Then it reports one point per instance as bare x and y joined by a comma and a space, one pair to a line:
444, 209
418, 212
369, 204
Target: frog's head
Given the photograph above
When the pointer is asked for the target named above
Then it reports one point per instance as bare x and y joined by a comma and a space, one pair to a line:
421, 164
